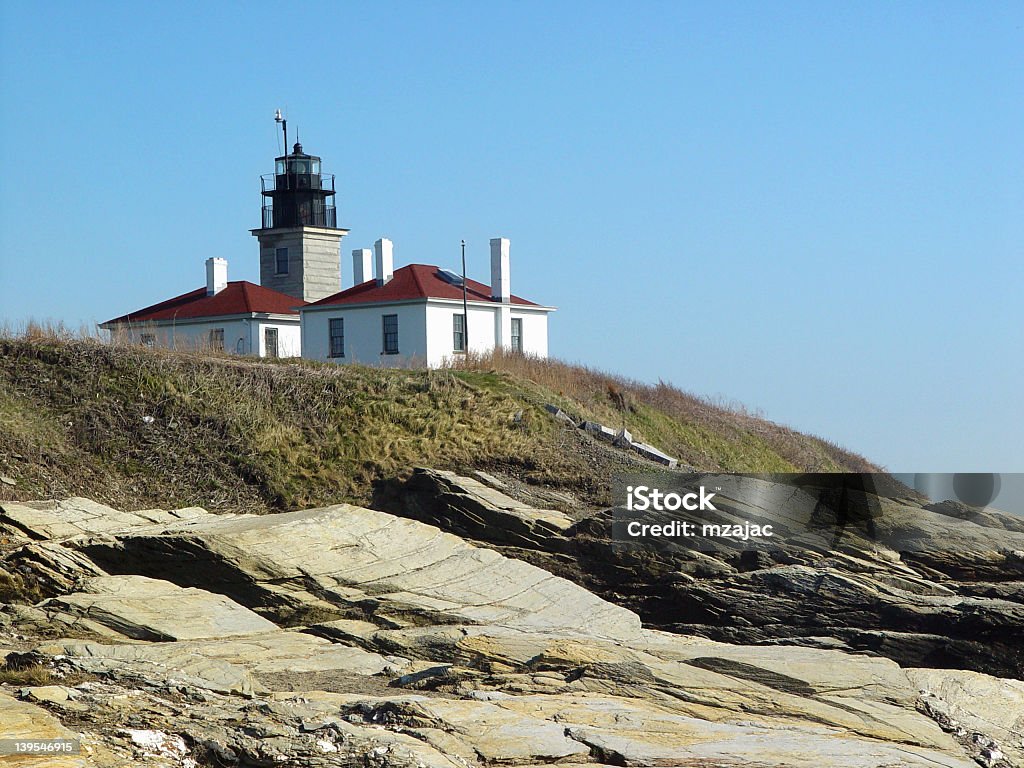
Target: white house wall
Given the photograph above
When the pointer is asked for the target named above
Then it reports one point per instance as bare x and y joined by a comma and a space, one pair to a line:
440, 335
241, 335
289, 338
364, 335
425, 332
535, 331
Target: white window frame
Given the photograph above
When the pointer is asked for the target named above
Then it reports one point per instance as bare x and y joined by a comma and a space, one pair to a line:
269, 333
459, 333
516, 339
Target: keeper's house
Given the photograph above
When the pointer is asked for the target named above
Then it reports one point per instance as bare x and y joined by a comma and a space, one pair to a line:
417, 315
238, 316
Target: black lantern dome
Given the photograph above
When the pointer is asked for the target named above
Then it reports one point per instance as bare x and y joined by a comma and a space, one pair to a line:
297, 194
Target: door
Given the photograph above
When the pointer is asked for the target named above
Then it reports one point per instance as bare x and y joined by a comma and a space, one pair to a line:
270, 342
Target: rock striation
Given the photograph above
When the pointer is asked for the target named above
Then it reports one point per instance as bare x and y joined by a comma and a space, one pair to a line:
954, 597
344, 636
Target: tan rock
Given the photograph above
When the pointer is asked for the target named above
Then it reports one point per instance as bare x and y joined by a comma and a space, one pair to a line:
228, 665
54, 694
57, 520
151, 609
22, 720
978, 703
402, 570
632, 732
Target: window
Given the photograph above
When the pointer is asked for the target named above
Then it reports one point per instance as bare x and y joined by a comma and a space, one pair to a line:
517, 334
148, 340
217, 339
281, 261
270, 342
390, 334
337, 330
459, 333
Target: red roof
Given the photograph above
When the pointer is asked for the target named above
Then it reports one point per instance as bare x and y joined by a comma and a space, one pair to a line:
240, 297
416, 281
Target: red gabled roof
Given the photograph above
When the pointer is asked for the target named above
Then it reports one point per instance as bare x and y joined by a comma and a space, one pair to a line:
416, 281
240, 297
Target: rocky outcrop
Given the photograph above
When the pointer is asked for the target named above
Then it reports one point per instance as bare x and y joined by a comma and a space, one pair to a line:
467, 507
150, 609
24, 720
239, 665
344, 636
983, 712
933, 588
360, 562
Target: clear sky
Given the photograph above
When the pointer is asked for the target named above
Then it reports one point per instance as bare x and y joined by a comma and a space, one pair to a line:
813, 209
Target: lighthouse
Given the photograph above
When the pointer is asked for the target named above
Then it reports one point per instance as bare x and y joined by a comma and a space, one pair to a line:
300, 240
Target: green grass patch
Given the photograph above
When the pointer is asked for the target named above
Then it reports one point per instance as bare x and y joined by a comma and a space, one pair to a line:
132, 426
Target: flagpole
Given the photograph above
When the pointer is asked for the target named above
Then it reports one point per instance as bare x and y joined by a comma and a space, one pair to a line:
465, 305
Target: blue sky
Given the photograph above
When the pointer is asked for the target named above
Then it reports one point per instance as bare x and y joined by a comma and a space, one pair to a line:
813, 209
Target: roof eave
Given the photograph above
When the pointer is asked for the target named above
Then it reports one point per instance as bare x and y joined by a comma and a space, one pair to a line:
109, 324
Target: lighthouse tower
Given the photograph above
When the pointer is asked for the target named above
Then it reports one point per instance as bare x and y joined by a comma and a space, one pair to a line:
300, 240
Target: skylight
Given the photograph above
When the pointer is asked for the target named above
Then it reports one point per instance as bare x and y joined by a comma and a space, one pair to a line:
450, 277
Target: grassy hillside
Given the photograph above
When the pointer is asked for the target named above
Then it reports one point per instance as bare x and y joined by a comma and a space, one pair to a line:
133, 426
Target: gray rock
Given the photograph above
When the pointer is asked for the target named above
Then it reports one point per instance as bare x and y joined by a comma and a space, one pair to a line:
362, 561
952, 597
467, 507
977, 703
24, 720
225, 665
559, 414
58, 520
600, 431
151, 609
480, 659
653, 454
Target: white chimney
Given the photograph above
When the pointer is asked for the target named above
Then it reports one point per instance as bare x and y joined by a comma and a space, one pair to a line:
362, 265
501, 289
385, 267
216, 275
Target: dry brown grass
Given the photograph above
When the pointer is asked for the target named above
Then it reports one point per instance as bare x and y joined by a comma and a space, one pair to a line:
133, 426
34, 674
697, 429
14, 588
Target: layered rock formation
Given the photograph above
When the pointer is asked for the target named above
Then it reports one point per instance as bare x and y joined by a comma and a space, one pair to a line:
345, 636
938, 585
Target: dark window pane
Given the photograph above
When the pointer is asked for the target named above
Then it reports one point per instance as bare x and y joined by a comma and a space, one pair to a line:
390, 334
217, 339
337, 331
459, 333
